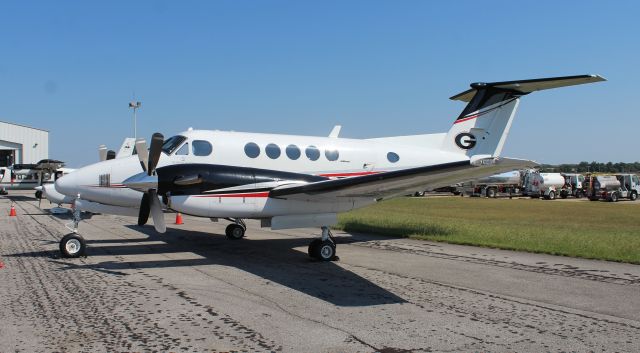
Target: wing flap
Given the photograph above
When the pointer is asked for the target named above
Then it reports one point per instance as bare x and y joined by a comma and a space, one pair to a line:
400, 182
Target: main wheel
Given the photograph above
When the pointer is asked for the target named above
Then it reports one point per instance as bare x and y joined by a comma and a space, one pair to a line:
552, 195
312, 247
634, 196
72, 245
613, 197
234, 231
579, 194
324, 251
491, 193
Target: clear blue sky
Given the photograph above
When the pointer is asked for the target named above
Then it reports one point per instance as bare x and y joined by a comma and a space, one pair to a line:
379, 68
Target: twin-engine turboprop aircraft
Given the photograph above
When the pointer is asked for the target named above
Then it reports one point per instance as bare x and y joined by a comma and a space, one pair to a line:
290, 181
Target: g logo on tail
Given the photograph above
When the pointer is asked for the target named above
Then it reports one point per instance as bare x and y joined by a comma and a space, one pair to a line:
465, 140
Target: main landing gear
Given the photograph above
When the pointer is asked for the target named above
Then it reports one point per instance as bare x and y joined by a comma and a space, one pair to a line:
323, 249
236, 229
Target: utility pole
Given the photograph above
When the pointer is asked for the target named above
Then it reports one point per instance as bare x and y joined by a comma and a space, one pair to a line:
135, 106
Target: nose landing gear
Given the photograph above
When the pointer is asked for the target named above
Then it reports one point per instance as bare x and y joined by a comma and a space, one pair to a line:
323, 249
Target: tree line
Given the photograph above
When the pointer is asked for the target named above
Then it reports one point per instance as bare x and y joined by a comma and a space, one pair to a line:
593, 167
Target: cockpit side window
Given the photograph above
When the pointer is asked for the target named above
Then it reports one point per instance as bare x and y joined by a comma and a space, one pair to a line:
201, 148
172, 143
184, 150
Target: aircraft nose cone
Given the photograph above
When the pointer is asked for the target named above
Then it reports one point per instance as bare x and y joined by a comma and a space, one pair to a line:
68, 185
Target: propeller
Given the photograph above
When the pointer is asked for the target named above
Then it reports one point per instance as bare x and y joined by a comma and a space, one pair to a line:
111, 154
102, 153
148, 183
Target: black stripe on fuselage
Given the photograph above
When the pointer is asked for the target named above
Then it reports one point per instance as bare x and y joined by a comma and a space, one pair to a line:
215, 176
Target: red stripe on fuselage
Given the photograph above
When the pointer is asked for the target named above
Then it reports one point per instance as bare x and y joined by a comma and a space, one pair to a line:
249, 194
338, 175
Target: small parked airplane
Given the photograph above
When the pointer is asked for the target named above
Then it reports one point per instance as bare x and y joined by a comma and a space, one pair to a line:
29, 176
289, 181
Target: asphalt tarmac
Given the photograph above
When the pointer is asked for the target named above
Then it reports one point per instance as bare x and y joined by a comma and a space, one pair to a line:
193, 290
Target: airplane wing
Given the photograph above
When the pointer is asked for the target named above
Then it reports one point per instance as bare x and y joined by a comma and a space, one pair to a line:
400, 182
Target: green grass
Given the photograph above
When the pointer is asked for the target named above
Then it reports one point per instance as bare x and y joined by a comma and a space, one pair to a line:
596, 230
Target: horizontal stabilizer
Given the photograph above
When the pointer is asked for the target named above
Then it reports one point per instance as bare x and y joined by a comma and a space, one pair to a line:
528, 86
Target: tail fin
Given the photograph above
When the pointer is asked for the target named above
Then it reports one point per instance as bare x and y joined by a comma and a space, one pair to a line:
483, 125
127, 148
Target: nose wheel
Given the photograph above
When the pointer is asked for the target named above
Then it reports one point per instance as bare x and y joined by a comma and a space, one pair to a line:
323, 249
72, 245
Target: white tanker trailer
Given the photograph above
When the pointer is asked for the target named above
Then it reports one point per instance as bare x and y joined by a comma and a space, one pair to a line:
547, 185
603, 187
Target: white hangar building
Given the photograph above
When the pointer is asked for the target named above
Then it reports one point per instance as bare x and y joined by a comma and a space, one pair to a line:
21, 144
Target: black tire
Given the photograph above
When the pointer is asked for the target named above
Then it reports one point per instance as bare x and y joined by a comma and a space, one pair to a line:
634, 196
72, 246
234, 231
491, 193
312, 247
579, 194
38, 194
552, 195
564, 194
324, 251
613, 197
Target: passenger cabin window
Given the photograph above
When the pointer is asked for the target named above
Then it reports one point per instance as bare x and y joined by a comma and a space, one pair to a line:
293, 152
332, 155
184, 150
172, 143
201, 148
272, 150
252, 150
393, 157
312, 152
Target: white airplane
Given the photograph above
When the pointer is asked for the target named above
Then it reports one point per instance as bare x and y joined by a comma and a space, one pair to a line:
289, 181
49, 191
29, 176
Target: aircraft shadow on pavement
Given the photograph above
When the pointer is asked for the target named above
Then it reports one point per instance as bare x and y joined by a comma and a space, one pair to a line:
274, 260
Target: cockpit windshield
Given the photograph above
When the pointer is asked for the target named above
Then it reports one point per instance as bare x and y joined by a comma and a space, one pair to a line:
172, 143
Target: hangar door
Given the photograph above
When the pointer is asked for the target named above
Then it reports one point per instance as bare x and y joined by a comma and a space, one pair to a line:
9, 153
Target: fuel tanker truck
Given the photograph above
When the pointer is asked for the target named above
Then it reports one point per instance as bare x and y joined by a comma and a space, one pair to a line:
603, 187
547, 185
493, 186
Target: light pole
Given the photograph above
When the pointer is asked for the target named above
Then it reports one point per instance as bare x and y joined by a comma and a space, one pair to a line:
135, 106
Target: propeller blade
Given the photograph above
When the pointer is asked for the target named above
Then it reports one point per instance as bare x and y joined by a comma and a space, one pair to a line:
143, 154
102, 153
145, 209
156, 212
111, 154
157, 140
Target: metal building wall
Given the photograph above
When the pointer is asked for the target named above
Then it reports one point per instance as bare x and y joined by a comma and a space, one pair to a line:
34, 142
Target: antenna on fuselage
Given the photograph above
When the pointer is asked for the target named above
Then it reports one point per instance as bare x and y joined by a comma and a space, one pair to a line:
335, 132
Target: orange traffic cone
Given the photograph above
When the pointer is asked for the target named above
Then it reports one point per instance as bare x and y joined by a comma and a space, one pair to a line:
179, 218
12, 213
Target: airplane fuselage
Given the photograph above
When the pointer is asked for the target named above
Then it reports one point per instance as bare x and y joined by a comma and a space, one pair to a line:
238, 170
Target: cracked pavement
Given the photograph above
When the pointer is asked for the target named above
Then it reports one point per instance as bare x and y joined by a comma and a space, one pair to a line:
192, 290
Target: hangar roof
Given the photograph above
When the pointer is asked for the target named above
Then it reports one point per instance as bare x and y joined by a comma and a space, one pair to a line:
25, 126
